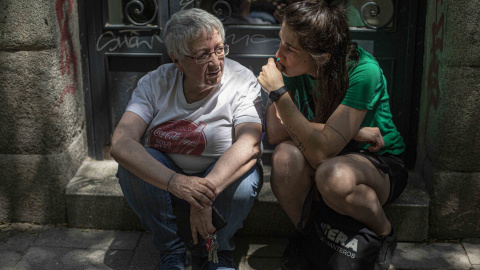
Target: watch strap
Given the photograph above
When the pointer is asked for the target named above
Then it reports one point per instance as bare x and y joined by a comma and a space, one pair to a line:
275, 95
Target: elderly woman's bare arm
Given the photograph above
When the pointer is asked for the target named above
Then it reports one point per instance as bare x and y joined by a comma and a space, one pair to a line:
239, 158
234, 163
130, 154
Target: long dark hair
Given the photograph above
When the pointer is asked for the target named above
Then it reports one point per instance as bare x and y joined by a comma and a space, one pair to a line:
322, 30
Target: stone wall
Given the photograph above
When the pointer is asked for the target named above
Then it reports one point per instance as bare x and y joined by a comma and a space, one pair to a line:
448, 154
42, 139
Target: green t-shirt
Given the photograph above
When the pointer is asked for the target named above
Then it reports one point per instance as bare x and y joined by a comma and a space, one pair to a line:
367, 90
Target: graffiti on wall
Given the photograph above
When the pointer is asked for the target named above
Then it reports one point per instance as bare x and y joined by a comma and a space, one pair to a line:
254, 39
132, 39
129, 39
433, 88
185, 3
68, 58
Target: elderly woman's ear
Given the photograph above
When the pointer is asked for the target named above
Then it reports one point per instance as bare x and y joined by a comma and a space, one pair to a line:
176, 62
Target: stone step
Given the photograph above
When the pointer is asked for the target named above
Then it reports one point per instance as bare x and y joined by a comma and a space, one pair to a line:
95, 200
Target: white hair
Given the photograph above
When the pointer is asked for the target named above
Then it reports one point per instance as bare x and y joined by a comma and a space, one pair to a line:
187, 25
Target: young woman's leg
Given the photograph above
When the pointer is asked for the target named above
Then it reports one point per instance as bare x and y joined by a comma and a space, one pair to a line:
291, 179
351, 185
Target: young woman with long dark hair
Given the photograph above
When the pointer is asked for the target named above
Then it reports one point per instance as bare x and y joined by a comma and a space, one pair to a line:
329, 90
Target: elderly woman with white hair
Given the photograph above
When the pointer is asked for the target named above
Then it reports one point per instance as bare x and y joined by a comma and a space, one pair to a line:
191, 134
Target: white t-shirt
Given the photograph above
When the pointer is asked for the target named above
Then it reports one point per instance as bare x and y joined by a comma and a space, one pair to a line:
195, 135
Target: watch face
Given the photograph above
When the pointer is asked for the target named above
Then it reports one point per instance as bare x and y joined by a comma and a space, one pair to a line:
273, 95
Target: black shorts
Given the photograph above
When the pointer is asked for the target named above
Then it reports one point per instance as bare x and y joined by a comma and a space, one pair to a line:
391, 164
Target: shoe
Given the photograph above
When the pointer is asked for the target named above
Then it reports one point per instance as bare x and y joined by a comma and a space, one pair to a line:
384, 257
293, 258
172, 261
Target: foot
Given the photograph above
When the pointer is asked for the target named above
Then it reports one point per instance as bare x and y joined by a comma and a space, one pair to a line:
293, 258
384, 257
175, 261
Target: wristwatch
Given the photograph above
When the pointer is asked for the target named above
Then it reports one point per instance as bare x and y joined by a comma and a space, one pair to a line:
275, 95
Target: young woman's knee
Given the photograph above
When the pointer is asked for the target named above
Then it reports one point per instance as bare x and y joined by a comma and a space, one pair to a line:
334, 180
287, 155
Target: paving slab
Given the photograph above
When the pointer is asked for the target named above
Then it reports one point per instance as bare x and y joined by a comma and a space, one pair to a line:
8, 259
61, 236
126, 240
18, 236
259, 252
430, 256
472, 247
15, 239
262, 247
27, 246
53, 258
252, 263
146, 256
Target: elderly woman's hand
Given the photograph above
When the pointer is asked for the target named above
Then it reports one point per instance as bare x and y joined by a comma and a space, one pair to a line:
198, 192
270, 78
201, 222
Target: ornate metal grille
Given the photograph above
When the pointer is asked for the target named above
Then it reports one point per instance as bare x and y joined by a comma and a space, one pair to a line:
133, 12
377, 14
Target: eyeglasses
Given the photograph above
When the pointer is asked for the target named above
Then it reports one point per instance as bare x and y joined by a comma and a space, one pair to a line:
220, 51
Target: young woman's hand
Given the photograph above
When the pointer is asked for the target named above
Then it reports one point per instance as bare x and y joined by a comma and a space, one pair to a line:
270, 78
372, 136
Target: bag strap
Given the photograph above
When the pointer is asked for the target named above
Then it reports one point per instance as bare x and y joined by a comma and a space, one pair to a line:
306, 207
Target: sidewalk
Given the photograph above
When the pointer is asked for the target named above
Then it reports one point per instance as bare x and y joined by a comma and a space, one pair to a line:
27, 246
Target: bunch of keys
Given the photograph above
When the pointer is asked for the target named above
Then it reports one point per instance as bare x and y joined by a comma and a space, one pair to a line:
212, 247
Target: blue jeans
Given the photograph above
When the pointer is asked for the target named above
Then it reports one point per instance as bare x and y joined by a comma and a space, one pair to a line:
154, 205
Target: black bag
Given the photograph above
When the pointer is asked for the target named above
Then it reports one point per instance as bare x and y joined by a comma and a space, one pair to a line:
335, 241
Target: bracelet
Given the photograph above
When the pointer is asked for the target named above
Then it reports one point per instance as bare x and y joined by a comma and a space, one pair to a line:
170, 180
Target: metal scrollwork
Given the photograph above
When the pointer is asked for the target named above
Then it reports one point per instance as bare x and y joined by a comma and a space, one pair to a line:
372, 10
141, 12
222, 9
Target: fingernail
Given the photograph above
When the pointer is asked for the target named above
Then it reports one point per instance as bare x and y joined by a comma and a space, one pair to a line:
278, 59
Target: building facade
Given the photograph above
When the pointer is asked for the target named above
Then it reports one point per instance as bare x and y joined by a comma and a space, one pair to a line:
67, 68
